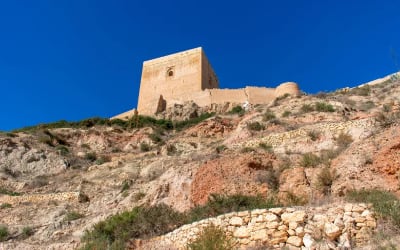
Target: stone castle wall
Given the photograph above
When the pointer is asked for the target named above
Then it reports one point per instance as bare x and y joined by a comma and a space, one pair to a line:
188, 76
335, 226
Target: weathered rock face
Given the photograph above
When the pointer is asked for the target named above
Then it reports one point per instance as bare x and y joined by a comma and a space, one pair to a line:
231, 175
335, 225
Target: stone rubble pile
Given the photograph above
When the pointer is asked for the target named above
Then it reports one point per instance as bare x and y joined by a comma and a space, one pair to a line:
336, 226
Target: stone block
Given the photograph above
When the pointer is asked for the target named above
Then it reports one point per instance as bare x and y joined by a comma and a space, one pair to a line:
331, 231
297, 216
295, 241
241, 232
236, 221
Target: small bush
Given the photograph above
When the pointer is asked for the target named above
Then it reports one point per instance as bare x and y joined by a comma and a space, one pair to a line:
324, 107
91, 156
62, 150
5, 205
361, 91
343, 140
39, 181
325, 180
171, 149
125, 185
365, 106
314, 135
255, 126
212, 238
138, 196
265, 146
27, 231
386, 108
310, 160
72, 215
8, 192
156, 138
287, 113
237, 110
220, 148
269, 115
247, 150
3, 233
46, 140
293, 200
306, 108
385, 204
103, 159
144, 147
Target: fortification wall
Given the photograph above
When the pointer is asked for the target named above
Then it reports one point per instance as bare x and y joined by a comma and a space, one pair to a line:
334, 226
220, 96
259, 95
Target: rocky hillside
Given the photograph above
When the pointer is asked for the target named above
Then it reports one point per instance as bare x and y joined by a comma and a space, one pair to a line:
59, 180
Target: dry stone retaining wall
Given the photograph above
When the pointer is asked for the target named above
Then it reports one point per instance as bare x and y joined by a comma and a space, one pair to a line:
35, 198
336, 226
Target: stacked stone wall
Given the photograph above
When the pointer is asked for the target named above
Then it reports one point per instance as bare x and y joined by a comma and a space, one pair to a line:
337, 226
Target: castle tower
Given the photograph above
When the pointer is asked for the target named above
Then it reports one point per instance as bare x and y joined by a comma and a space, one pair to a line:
174, 76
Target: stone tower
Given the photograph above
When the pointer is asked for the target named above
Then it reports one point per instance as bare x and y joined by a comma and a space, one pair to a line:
171, 78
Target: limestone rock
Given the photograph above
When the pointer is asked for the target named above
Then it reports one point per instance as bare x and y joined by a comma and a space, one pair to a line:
295, 241
331, 231
297, 216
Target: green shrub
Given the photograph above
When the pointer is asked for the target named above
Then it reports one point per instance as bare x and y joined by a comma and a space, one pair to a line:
91, 156
314, 135
103, 159
212, 238
310, 160
125, 185
27, 231
156, 138
287, 113
222, 204
265, 146
306, 108
269, 115
237, 110
144, 147
361, 91
365, 106
188, 123
140, 222
385, 204
72, 215
8, 192
325, 180
220, 148
3, 233
324, 107
144, 222
255, 126
62, 150
5, 205
171, 149
293, 200
247, 150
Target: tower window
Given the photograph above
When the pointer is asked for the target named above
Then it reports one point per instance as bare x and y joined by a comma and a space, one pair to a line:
170, 73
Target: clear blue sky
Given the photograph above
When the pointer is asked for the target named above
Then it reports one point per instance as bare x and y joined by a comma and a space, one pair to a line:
74, 59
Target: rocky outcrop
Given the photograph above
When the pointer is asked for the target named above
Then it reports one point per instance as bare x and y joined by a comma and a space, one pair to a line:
231, 174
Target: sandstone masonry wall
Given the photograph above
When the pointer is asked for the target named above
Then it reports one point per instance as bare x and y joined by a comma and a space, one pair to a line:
329, 227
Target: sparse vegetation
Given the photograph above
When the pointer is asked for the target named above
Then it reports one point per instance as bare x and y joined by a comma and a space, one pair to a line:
91, 156
325, 180
5, 205
3, 233
72, 215
220, 148
265, 146
343, 140
385, 204
103, 159
247, 150
287, 113
27, 231
212, 238
125, 185
144, 147
171, 149
360, 91
310, 160
143, 222
8, 192
268, 115
237, 110
255, 126
314, 135
306, 108
62, 150
324, 107
39, 181
365, 106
